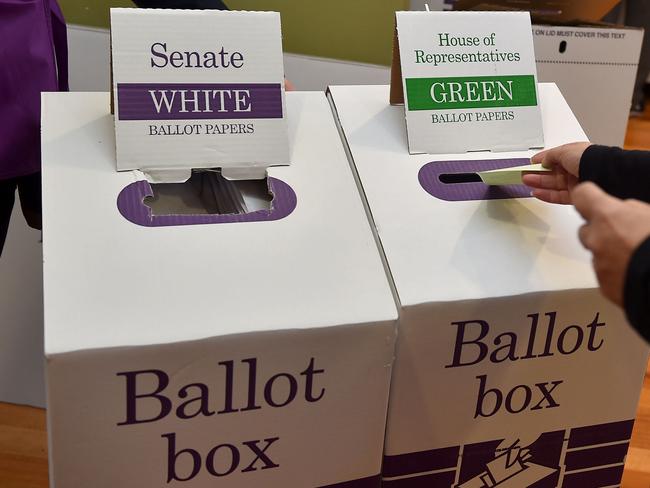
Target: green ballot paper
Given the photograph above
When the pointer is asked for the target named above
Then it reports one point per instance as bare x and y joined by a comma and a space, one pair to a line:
510, 176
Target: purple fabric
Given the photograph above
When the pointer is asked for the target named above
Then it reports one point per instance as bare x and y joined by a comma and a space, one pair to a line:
135, 101
131, 206
33, 56
429, 177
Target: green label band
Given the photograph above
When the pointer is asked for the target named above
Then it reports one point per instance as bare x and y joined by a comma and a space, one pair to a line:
470, 92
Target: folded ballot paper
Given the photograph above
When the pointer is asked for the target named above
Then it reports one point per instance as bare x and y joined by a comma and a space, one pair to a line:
510, 176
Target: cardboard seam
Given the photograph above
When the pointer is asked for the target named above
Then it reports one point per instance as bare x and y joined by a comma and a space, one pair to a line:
382, 255
51, 356
499, 297
364, 199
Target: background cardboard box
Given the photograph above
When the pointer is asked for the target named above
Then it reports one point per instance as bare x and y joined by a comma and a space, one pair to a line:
504, 341
595, 67
276, 338
594, 63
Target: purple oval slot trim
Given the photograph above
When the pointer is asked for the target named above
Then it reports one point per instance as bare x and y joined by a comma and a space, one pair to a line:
130, 203
429, 177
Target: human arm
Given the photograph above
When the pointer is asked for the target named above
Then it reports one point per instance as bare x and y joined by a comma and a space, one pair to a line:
624, 174
617, 232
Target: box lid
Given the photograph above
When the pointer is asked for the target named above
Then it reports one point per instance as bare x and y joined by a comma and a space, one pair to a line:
111, 283
441, 250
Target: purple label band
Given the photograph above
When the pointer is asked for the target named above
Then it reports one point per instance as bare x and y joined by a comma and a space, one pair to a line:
130, 203
429, 177
189, 101
588, 436
435, 460
590, 456
370, 482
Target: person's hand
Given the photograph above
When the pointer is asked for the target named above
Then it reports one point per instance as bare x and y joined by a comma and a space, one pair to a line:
613, 230
288, 86
556, 187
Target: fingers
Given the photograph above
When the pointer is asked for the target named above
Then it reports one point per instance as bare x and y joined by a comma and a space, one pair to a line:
561, 197
548, 158
552, 181
549, 187
590, 200
567, 156
584, 234
539, 157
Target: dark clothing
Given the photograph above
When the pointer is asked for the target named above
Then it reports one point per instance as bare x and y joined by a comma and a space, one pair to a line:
185, 4
637, 290
623, 174
626, 174
29, 191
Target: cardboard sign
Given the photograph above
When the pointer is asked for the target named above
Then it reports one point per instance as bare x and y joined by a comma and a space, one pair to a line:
198, 89
468, 81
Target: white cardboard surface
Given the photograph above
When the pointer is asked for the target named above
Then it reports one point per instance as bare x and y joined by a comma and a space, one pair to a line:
431, 45
484, 237
596, 71
235, 68
121, 298
480, 283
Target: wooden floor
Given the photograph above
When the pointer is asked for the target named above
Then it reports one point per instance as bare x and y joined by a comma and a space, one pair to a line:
23, 438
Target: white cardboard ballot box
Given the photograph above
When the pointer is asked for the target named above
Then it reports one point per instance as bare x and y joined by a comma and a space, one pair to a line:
204, 350
511, 370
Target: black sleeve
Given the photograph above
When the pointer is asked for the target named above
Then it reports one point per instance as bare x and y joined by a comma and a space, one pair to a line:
187, 4
623, 174
637, 290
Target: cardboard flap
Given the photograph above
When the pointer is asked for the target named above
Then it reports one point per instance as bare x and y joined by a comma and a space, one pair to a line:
396, 87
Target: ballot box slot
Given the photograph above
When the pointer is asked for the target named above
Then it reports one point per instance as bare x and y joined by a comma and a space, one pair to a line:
456, 178
208, 192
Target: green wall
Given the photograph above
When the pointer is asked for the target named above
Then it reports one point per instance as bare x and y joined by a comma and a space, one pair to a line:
354, 30
92, 13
